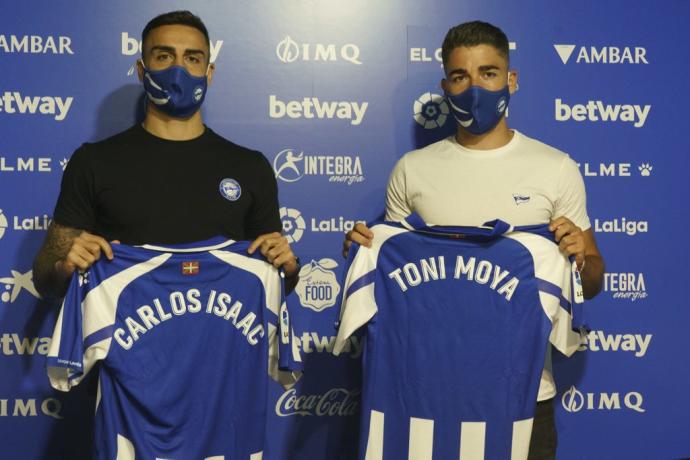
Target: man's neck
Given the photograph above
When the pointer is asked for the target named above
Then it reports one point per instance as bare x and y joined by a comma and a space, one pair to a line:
494, 139
173, 129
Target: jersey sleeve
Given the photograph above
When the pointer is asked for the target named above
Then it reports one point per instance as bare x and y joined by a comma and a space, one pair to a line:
72, 354
264, 215
76, 204
397, 206
357, 305
571, 201
284, 359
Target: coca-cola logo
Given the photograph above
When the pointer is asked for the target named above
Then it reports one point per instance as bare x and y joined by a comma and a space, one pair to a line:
336, 402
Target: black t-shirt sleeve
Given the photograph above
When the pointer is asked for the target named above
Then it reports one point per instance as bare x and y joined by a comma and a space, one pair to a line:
264, 215
76, 204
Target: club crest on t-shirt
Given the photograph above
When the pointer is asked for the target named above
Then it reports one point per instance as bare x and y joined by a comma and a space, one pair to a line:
230, 189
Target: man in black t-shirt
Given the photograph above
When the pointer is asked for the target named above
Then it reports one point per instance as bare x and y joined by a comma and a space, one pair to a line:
169, 180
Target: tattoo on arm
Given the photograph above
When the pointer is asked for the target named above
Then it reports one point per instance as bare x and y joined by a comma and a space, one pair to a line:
57, 244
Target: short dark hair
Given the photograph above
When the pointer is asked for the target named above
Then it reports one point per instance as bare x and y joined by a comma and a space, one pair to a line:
180, 17
472, 34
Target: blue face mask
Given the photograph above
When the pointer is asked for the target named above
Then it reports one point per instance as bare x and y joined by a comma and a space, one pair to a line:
479, 110
175, 91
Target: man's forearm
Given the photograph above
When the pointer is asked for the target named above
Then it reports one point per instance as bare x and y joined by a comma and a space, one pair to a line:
48, 281
592, 276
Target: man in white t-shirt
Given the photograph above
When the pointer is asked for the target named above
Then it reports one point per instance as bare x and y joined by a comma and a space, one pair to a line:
487, 171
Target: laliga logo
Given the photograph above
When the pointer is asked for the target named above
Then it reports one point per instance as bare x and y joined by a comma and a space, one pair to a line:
318, 286
289, 51
574, 400
431, 110
286, 166
3, 223
293, 224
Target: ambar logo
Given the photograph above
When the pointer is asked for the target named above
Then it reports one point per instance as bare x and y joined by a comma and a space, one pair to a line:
602, 54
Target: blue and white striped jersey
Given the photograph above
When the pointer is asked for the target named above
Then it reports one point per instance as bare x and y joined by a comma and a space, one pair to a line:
187, 337
457, 320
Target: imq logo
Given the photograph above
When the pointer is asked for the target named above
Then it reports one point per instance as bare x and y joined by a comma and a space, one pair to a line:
288, 50
36, 44
318, 286
430, 110
603, 54
574, 400
291, 166
50, 407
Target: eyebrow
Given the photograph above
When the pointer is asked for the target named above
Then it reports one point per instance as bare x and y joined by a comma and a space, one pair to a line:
482, 68
170, 49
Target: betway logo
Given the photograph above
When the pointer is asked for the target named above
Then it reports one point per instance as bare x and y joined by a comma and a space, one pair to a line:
311, 342
603, 54
312, 107
12, 102
131, 46
598, 111
334, 402
27, 407
36, 44
13, 344
600, 341
629, 227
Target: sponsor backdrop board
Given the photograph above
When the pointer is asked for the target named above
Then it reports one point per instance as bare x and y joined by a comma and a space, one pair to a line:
333, 93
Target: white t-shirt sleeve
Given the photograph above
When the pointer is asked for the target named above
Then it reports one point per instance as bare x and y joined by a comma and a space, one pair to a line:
397, 205
571, 200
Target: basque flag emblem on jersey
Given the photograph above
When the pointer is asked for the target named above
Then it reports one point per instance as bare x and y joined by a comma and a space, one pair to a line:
190, 268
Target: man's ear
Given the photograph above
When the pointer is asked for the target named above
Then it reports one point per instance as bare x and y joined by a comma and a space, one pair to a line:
512, 81
210, 71
140, 69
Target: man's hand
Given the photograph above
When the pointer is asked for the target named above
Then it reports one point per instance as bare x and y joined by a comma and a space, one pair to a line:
64, 250
574, 242
360, 234
570, 239
86, 249
276, 249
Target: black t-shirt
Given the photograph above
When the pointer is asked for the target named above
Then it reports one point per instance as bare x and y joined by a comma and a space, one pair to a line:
138, 188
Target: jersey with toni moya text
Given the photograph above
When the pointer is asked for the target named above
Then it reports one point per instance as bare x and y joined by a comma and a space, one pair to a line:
188, 337
457, 320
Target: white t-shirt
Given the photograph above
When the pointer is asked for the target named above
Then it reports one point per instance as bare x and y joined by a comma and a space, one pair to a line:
525, 182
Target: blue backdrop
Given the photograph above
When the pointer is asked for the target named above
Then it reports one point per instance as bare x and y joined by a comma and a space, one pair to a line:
333, 93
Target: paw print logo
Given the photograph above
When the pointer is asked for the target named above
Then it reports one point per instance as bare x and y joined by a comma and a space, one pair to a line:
645, 169
63, 163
